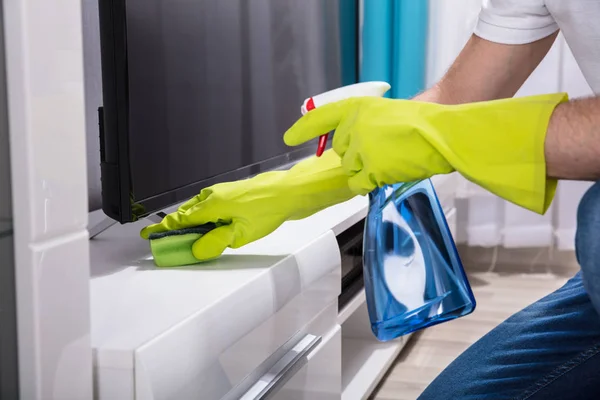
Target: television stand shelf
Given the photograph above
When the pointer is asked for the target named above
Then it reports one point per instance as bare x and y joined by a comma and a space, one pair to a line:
101, 224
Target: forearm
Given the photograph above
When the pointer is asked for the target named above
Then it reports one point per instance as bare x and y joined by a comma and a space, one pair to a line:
572, 144
486, 70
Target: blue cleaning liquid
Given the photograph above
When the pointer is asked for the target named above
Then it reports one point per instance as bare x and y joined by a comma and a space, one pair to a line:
413, 274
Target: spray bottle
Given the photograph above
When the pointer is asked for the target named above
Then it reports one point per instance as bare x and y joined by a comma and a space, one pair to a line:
413, 274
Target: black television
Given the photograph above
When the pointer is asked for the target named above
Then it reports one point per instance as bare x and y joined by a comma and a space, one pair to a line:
197, 92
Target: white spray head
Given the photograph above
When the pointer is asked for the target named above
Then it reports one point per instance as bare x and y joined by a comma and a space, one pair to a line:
363, 89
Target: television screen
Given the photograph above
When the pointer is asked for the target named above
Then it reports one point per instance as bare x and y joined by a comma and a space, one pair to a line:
197, 92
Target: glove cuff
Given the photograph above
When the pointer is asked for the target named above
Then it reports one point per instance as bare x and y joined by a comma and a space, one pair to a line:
508, 158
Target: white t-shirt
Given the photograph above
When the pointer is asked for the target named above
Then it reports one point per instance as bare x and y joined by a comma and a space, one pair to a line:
525, 21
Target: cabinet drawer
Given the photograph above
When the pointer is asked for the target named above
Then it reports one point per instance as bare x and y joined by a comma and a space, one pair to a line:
306, 372
185, 366
321, 377
197, 333
284, 363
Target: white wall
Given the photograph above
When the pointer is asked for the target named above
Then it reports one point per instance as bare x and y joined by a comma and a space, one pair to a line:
44, 71
449, 29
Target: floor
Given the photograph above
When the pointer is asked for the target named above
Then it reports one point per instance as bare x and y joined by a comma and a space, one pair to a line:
501, 289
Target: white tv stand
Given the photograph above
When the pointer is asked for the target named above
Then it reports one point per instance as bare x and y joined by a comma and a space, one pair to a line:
262, 321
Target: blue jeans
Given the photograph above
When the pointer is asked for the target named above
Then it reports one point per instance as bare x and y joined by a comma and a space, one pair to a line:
549, 350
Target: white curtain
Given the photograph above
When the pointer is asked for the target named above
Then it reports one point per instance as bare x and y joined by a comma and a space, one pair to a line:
484, 219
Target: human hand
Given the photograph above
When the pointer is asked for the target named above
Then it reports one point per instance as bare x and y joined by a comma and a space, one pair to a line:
498, 145
247, 210
380, 140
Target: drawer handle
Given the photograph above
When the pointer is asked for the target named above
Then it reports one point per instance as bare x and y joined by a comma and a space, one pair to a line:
283, 369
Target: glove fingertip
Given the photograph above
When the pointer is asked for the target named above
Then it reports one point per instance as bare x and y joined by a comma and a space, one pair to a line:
150, 229
204, 252
315, 123
213, 244
291, 137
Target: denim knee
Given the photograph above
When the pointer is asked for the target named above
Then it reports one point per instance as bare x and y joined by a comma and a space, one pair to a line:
587, 242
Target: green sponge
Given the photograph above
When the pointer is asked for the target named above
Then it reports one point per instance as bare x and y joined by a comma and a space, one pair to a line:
174, 248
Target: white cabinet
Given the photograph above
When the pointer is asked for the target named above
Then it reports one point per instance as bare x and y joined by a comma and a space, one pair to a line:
223, 329
261, 321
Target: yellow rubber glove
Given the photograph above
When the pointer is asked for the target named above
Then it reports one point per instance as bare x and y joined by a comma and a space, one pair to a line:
497, 144
251, 209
